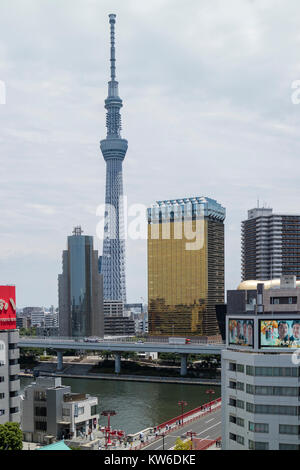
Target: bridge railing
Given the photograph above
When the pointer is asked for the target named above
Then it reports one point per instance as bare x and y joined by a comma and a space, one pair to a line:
190, 413
60, 339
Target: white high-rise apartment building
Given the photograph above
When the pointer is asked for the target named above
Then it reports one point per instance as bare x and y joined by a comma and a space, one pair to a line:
270, 245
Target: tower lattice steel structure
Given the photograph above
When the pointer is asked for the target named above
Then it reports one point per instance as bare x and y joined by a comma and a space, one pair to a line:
114, 149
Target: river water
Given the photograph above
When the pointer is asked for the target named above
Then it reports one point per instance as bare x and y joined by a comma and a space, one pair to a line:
138, 405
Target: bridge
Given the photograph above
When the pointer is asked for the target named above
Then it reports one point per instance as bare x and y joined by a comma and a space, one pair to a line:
119, 345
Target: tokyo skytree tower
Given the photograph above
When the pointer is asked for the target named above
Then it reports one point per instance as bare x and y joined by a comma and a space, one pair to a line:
114, 149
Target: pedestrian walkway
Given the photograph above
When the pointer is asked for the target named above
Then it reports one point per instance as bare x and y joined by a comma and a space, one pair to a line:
175, 424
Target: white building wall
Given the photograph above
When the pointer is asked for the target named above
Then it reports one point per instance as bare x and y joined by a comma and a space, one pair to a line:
273, 437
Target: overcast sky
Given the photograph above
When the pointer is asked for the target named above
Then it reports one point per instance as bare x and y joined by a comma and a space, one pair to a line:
206, 87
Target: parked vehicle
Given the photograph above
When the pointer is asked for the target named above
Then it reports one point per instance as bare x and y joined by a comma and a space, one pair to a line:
173, 340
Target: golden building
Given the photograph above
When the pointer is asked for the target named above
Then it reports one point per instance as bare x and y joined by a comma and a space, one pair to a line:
185, 266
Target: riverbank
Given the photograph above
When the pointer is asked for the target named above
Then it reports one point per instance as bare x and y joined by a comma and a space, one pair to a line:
83, 371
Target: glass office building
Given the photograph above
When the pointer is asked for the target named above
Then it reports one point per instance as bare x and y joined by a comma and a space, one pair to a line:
185, 266
80, 289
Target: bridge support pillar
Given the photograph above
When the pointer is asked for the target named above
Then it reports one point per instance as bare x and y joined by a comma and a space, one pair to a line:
183, 368
59, 360
117, 363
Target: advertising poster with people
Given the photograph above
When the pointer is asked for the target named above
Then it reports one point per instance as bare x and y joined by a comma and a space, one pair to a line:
280, 333
241, 332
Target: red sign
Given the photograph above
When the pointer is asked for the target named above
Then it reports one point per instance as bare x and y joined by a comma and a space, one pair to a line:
8, 308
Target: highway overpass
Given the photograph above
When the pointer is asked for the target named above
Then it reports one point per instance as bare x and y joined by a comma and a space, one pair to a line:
117, 346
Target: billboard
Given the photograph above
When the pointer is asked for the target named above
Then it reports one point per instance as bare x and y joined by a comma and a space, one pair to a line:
7, 308
240, 332
279, 333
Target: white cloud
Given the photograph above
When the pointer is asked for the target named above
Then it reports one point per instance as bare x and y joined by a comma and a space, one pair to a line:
207, 110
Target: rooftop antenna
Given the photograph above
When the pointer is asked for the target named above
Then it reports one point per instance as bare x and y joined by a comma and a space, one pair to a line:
77, 230
112, 21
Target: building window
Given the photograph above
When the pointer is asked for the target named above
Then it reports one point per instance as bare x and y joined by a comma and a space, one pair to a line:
94, 410
240, 368
40, 411
14, 410
288, 447
66, 412
250, 407
237, 438
250, 388
2, 395
258, 427
274, 371
258, 445
272, 409
1, 379
249, 370
40, 396
277, 391
2, 412
232, 419
41, 425
240, 386
240, 404
232, 401
288, 429
232, 366
240, 422
232, 385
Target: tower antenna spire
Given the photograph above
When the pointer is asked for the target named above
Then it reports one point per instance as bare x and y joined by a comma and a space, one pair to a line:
112, 21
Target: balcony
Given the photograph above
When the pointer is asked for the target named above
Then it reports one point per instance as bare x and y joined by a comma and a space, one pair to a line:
14, 385
14, 402
14, 369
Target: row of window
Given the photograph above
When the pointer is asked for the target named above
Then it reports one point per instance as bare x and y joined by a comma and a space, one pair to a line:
255, 445
283, 300
264, 409
40, 425
40, 411
289, 429
265, 389
265, 371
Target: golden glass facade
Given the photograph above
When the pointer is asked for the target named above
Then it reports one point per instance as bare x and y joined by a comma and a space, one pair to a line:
184, 285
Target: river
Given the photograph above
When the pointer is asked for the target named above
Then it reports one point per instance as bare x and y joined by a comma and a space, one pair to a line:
138, 405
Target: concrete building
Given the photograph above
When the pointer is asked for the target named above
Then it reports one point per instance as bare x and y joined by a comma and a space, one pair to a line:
80, 289
119, 326
113, 308
185, 267
49, 331
50, 411
270, 245
260, 372
278, 295
9, 376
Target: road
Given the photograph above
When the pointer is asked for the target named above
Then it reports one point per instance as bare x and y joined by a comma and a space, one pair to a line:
208, 427
60, 344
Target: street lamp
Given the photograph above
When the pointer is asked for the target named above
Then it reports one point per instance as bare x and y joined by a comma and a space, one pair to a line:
182, 404
163, 437
108, 413
210, 392
191, 434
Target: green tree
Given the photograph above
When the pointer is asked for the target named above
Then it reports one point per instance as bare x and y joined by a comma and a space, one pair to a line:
10, 436
180, 445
